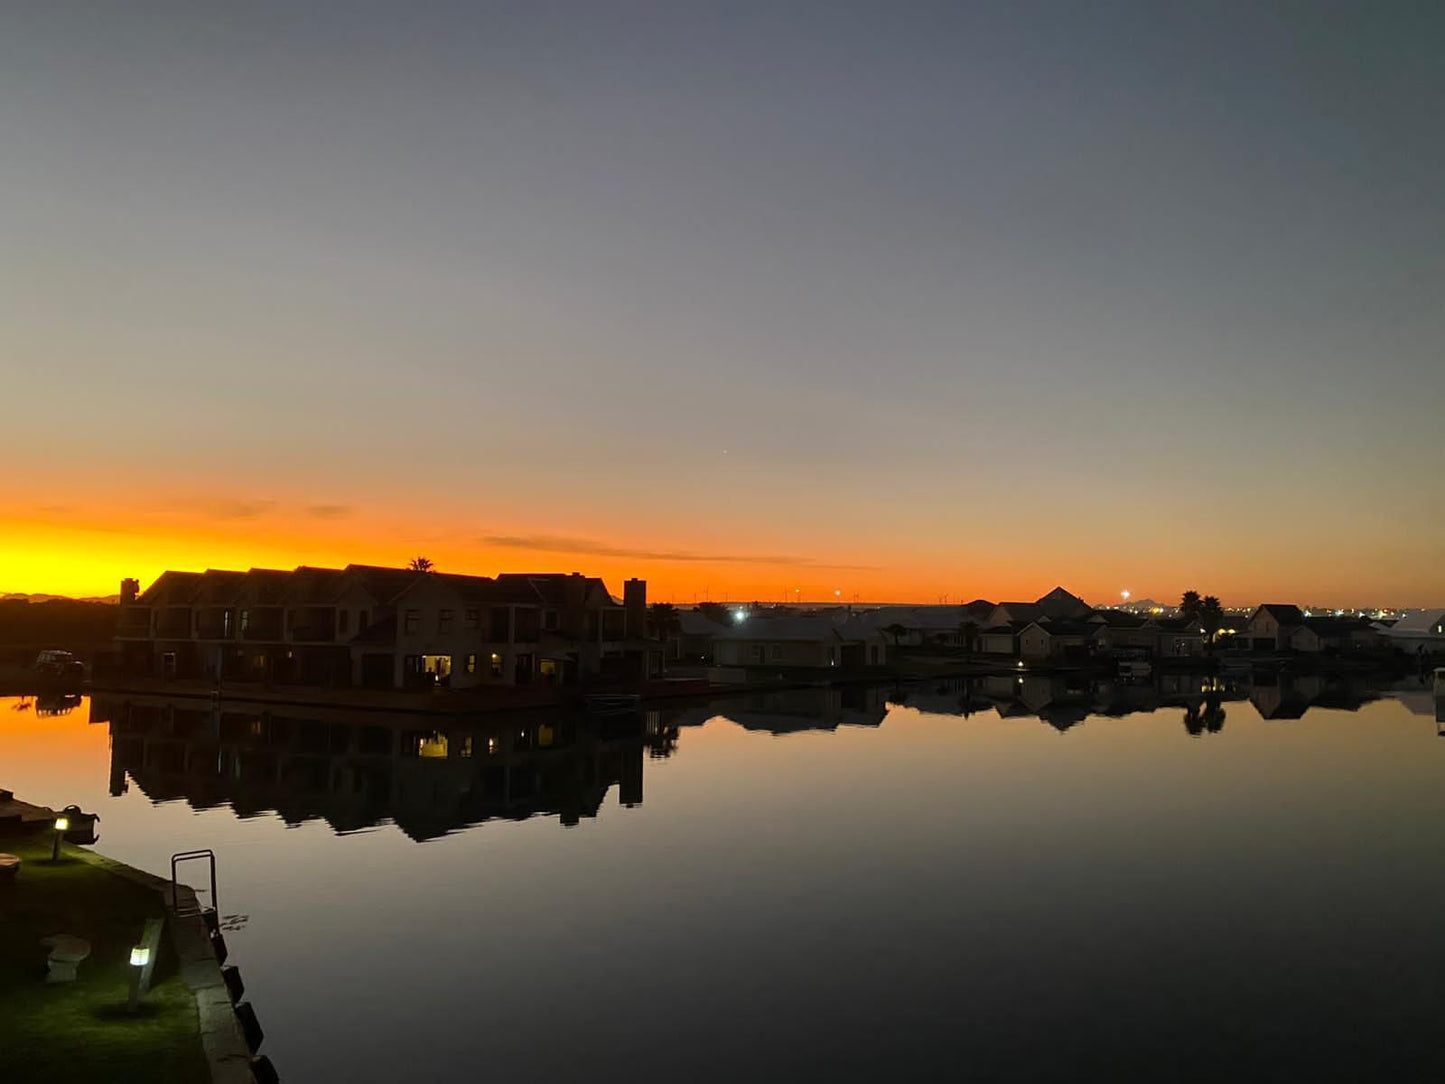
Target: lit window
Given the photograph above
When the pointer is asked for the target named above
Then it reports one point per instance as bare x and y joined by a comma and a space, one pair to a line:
496, 661
471, 664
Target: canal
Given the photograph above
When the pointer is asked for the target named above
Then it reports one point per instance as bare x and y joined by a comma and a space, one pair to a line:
1005, 880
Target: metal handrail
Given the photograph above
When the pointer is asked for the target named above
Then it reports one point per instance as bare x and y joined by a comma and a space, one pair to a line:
185, 856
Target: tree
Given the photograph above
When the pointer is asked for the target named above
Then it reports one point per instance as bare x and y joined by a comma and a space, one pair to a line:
1189, 604
896, 631
421, 564
662, 620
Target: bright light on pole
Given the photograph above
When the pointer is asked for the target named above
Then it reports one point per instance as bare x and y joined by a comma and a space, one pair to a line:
62, 824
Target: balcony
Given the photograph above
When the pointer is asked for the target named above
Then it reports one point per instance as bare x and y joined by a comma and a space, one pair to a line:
262, 623
135, 623
174, 623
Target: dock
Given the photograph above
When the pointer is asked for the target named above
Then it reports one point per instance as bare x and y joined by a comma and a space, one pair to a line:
22, 814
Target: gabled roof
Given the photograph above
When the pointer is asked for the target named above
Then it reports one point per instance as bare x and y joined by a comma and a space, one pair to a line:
1061, 603
315, 585
1178, 624
1020, 611
378, 632
383, 584
695, 623
1420, 623
172, 587
551, 588
1283, 612
266, 585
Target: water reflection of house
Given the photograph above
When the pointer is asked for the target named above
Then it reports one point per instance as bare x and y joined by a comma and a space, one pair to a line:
788, 711
305, 764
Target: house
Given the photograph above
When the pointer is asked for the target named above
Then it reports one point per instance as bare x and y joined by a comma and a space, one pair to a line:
691, 640
1000, 639
1053, 639
1270, 626
918, 626
1418, 633
384, 628
1006, 613
1333, 634
1062, 605
813, 642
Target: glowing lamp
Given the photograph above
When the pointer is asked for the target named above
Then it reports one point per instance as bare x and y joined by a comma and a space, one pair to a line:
140, 956
62, 824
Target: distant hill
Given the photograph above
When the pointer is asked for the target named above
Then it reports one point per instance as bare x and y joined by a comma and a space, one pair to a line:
113, 600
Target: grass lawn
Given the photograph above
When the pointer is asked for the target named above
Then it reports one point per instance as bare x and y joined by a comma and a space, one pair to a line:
81, 1031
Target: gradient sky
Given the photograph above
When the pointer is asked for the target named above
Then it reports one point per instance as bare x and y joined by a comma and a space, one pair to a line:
896, 300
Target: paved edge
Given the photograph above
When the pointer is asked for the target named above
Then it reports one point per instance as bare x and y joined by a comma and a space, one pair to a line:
221, 1036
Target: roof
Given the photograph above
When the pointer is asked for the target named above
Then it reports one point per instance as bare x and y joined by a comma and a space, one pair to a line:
378, 632
1117, 619
1061, 603
920, 618
695, 623
172, 586
1419, 623
551, 588
1021, 611
816, 629
1328, 625
1284, 612
1183, 623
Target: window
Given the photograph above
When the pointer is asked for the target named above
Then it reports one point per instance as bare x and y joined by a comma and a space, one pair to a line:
444, 620
549, 620
548, 669
775, 652
501, 625
343, 619
473, 619
471, 664
411, 621
360, 620
756, 651
496, 662
245, 621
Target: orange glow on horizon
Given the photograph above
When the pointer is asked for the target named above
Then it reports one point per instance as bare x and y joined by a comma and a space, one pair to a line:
90, 558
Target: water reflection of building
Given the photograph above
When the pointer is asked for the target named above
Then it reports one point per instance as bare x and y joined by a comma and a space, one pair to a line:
352, 772
786, 711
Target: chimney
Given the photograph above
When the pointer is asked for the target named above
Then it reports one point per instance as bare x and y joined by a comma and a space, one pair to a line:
129, 591
634, 598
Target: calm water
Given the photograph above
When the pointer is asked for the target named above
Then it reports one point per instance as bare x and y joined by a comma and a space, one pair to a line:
1012, 881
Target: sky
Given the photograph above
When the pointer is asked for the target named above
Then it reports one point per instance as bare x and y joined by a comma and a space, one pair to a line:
881, 301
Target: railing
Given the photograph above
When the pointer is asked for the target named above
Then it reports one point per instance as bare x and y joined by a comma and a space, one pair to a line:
186, 856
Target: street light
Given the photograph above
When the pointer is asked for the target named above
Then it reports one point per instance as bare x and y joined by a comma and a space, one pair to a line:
140, 958
62, 824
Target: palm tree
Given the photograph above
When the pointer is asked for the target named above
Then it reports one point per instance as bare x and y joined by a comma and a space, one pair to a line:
421, 564
663, 620
1189, 603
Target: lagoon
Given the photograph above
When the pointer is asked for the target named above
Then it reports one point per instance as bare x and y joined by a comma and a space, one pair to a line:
961, 880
